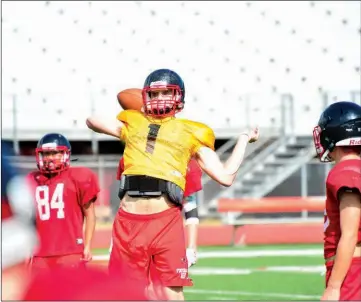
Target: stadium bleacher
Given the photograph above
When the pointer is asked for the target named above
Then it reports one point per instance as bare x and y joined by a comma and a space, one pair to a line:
68, 61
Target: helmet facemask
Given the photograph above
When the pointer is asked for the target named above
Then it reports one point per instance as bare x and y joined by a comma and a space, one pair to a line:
52, 159
162, 100
322, 152
345, 135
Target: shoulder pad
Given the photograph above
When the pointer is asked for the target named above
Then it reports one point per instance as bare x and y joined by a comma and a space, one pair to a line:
345, 177
203, 134
34, 176
80, 174
127, 115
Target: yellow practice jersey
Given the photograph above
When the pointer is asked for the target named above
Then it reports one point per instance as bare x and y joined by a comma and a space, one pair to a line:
161, 148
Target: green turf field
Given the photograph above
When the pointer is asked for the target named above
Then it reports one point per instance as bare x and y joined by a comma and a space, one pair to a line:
281, 272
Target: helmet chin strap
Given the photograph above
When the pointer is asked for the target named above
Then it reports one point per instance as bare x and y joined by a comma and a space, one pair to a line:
325, 156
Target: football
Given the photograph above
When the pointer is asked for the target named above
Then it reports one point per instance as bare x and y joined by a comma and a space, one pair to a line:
130, 99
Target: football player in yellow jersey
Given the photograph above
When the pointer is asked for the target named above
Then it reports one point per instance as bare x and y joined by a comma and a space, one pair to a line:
148, 231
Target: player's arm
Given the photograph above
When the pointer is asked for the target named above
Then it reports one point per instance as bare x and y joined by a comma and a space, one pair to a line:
350, 216
192, 186
192, 222
90, 222
89, 189
108, 126
225, 173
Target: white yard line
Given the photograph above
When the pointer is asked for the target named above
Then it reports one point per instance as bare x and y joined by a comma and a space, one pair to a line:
209, 271
222, 298
244, 293
296, 269
260, 253
245, 254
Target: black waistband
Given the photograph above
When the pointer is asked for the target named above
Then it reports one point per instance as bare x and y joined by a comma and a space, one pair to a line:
143, 183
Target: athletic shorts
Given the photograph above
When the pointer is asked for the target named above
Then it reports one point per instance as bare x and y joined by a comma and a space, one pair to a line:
151, 246
351, 286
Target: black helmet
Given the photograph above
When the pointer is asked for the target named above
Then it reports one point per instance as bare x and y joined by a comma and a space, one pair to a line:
53, 143
173, 100
339, 125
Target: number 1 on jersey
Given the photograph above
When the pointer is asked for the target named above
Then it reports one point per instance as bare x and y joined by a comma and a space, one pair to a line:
152, 137
42, 199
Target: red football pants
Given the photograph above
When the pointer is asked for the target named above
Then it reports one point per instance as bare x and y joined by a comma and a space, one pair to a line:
151, 246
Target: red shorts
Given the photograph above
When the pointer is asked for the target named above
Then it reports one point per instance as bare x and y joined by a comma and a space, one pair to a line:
43, 263
151, 246
351, 286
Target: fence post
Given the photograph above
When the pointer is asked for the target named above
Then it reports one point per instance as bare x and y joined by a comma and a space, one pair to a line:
248, 110
287, 115
304, 184
325, 100
95, 144
15, 127
356, 96
101, 179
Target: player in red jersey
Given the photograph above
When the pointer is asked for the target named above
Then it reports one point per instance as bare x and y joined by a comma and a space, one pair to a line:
91, 284
18, 235
192, 186
19, 238
338, 138
64, 195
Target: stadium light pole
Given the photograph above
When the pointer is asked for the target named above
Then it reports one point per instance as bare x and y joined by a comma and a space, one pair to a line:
287, 115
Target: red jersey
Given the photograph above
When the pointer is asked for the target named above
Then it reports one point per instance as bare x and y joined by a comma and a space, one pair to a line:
346, 175
193, 176
59, 203
90, 284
